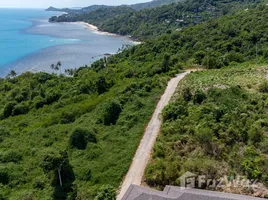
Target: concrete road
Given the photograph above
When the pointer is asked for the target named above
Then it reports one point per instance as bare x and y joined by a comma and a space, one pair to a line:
143, 153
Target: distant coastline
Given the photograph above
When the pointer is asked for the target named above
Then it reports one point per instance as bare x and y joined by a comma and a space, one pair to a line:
94, 28
74, 44
98, 31
91, 27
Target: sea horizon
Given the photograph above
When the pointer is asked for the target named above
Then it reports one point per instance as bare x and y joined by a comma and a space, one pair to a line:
31, 43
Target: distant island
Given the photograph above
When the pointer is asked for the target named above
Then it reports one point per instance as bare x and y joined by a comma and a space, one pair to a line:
51, 8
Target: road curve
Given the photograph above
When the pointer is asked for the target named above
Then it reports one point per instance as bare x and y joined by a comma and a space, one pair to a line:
143, 153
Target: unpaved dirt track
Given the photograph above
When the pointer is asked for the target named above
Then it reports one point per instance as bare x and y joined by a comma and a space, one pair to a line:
143, 153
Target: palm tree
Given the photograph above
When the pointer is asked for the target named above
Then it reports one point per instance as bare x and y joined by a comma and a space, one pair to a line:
58, 66
52, 66
69, 72
12, 74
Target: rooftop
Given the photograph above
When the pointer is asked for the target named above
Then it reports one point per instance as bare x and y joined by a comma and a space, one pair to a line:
177, 193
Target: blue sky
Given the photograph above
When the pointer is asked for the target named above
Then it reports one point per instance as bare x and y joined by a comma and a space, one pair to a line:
61, 3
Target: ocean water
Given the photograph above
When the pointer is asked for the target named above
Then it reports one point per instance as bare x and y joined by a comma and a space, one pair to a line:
28, 42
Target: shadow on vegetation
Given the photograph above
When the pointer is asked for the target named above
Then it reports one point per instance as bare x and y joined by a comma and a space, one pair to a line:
67, 190
59, 170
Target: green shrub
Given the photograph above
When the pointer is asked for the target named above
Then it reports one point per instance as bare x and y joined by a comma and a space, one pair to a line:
8, 109
199, 56
68, 117
39, 102
111, 112
187, 94
3, 134
80, 137
101, 85
28, 196
90, 135
106, 192
199, 97
19, 98
2, 197
87, 175
11, 156
52, 97
264, 145
39, 184
20, 109
255, 134
251, 163
43, 77
154, 173
4, 177
173, 111
93, 154
51, 161
204, 135
264, 87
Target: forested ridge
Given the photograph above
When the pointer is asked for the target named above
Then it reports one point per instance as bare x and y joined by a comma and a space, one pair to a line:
150, 23
88, 125
137, 6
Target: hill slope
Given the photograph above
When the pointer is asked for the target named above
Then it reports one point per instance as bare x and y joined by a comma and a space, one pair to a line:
138, 6
90, 125
150, 23
216, 126
152, 4
78, 11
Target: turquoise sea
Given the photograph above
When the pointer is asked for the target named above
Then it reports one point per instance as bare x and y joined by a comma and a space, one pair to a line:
28, 42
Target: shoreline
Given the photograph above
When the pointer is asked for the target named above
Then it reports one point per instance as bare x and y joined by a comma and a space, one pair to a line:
77, 53
96, 30
29, 63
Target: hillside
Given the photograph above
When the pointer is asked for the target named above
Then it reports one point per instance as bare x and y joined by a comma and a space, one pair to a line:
216, 126
89, 125
150, 23
152, 4
77, 11
138, 6
98, 16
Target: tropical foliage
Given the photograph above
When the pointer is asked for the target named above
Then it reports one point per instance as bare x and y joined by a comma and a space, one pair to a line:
82, 131
150, 23
216, 126
67, 137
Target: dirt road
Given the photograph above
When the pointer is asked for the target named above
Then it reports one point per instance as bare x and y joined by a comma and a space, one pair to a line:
142, 156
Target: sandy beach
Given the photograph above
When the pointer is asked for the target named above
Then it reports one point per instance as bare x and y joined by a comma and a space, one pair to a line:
95, 29
74, 45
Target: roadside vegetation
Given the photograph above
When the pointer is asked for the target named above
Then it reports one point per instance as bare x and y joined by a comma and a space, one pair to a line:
216, 126
88, 126
85, 128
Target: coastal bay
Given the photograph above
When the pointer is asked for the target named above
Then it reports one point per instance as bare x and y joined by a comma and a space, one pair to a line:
74, 44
